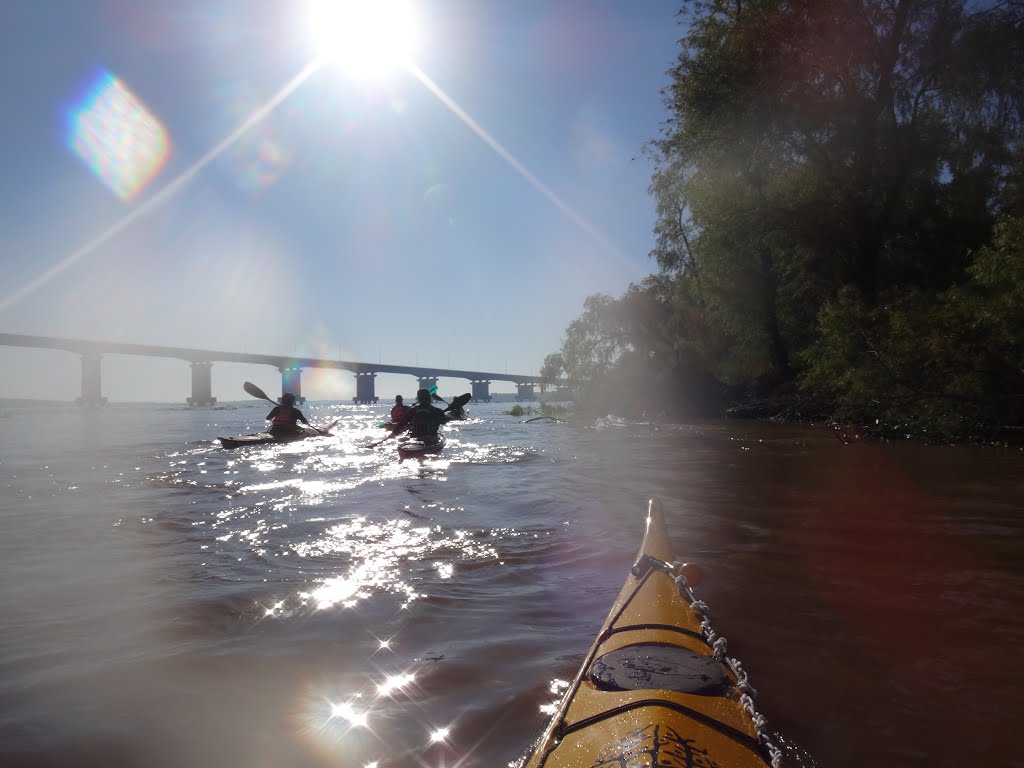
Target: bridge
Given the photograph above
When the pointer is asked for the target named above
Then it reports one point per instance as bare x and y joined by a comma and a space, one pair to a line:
291, 368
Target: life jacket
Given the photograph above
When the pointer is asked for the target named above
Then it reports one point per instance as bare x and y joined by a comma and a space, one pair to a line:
285, 417
398, 411
424, 421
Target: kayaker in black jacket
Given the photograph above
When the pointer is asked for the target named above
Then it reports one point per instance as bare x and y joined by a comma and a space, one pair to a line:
285, 417
423, 419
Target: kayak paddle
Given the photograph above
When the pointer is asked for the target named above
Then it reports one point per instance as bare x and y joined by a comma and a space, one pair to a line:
255, 391
390, 435
326, 430
458, 402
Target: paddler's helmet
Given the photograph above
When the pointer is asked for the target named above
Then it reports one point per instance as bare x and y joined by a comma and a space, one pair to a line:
287, 399
423, 396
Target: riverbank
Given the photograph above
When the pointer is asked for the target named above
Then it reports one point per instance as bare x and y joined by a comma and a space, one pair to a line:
794, 407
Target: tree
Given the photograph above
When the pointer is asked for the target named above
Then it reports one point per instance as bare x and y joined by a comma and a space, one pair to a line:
827, 184
818, 149
949, 368
643, 352
551, 371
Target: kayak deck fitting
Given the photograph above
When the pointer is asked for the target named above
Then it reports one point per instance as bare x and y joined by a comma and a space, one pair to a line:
656, 689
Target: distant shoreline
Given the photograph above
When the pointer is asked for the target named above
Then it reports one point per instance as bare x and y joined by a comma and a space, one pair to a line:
14, 402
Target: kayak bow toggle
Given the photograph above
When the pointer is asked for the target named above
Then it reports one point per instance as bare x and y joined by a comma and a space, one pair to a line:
685, 574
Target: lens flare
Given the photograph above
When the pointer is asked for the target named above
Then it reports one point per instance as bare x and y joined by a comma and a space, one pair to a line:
120, 140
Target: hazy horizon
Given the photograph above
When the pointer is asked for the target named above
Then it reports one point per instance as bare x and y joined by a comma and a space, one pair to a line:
190, 175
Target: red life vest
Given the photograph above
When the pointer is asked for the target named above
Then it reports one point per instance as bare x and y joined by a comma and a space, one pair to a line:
285, 416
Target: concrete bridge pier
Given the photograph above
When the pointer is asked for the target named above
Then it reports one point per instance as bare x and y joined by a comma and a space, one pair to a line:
365, 388
524, 393
202, 390
92, 396
481, 391
426, 382
291, 381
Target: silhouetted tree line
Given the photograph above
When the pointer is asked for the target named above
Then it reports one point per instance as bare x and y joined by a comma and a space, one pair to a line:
840, 228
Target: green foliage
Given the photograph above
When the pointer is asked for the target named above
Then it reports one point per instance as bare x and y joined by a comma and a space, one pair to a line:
813, 147
949, 365
551, 371
827, 185
555, 409
650, 350
546, 409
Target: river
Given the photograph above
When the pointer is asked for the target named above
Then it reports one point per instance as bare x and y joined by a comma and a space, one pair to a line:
169, 603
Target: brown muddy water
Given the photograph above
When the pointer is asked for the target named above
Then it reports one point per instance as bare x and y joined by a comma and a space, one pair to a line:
169, 603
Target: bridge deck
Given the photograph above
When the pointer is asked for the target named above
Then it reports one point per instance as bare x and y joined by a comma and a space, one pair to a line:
84, 347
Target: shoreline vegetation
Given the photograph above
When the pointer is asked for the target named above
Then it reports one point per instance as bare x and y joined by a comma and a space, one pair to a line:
557, 411
786, 408
795, 410
839, 232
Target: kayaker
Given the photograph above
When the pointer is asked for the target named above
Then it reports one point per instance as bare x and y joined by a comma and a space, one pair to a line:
285, 417
398, 410
423, 419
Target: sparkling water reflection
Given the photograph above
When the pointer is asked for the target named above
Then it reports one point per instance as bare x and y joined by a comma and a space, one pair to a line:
319, 603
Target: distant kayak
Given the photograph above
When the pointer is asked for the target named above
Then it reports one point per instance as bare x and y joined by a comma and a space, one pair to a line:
656, 688
415, 447
260, 438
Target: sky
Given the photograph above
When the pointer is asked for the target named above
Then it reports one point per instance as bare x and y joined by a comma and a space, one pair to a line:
217, 176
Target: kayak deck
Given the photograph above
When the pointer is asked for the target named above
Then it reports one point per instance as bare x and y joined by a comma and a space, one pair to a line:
260, 438
421, 446
656, 688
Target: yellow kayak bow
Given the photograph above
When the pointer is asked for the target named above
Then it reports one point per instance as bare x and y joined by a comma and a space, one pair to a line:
657, 689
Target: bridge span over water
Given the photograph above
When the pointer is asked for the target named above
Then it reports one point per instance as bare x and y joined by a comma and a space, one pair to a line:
291, 368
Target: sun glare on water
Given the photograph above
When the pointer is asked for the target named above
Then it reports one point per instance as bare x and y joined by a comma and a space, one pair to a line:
366, 39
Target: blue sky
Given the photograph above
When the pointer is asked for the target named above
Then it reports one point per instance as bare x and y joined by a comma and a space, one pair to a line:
362, 219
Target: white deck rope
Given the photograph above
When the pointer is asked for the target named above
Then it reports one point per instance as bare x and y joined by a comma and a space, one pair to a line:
748, 694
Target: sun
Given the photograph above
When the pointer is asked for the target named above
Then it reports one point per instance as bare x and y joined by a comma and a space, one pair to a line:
365, 38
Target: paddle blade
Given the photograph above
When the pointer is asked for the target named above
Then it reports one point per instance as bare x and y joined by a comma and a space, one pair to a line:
326, 429
458, 402
255, 391
391, 434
